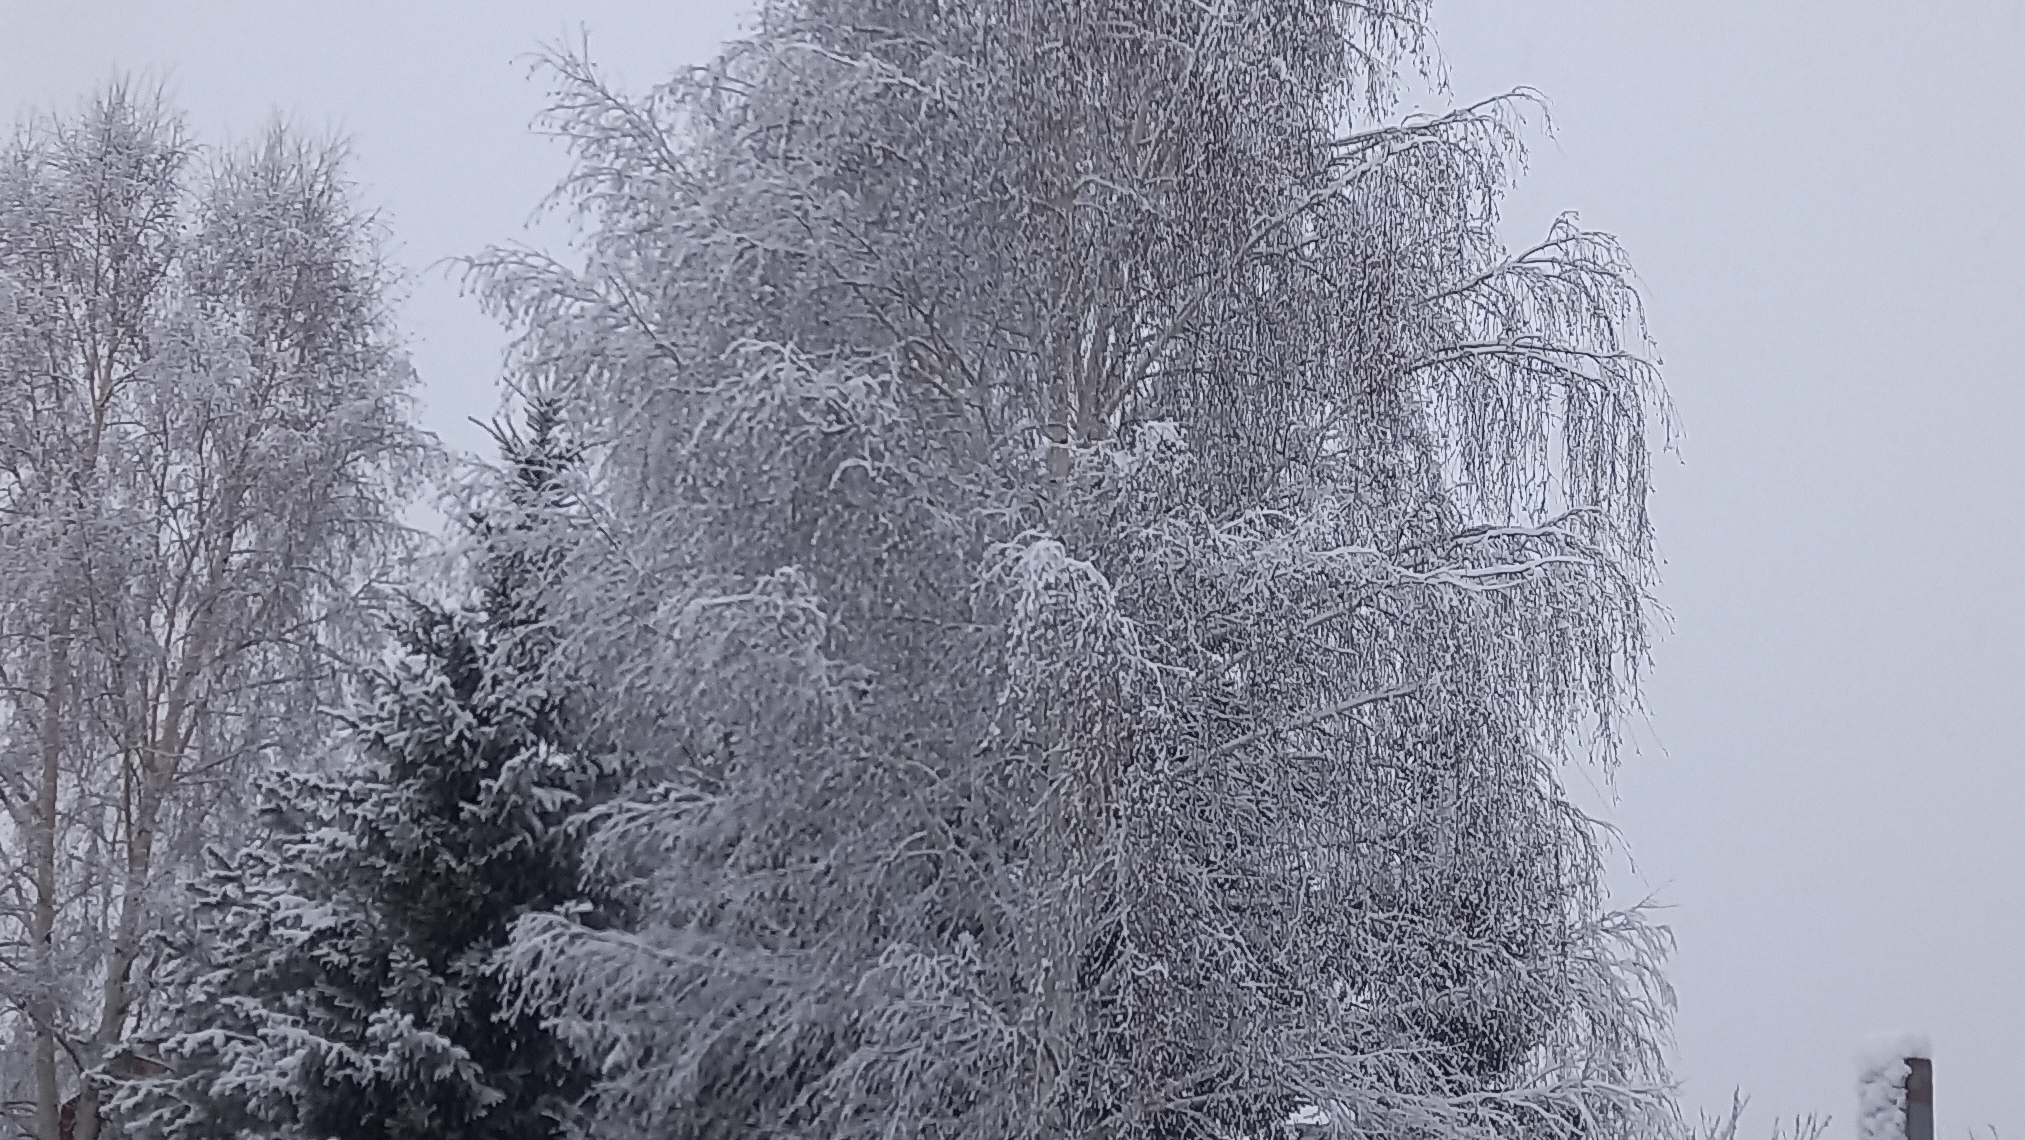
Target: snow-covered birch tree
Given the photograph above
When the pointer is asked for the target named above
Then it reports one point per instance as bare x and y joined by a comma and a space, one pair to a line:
1105, 556
204, 447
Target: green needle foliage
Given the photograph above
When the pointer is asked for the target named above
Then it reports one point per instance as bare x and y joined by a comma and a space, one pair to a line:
341, 976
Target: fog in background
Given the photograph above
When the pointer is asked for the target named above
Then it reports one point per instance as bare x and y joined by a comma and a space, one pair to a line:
1823, 202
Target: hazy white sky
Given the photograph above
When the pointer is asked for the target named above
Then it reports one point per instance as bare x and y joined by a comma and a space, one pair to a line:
1823, 201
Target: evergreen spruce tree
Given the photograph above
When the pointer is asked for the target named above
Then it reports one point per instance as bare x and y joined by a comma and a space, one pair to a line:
339, 978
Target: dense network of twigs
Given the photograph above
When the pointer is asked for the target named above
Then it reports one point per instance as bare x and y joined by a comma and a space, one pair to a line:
1100, 555
205, 447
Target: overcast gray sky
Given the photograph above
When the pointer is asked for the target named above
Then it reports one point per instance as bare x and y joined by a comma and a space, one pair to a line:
1823, 200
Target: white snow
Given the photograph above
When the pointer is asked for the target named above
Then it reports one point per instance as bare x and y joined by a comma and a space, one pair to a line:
1308, 1114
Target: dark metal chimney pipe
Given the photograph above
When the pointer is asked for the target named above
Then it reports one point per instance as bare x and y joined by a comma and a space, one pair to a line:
1919, 1099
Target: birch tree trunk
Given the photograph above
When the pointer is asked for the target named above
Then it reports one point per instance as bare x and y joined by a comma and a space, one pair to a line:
48, 1092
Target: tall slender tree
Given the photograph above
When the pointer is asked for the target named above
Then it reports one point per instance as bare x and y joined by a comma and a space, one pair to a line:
204, 448
336, 981
1107, 554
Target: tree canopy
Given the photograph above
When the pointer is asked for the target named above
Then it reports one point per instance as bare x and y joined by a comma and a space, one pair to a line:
205, 449
1054, 571
1105, 556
